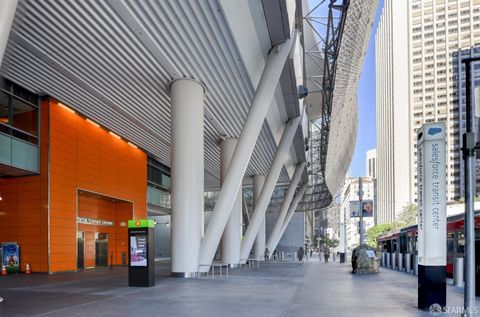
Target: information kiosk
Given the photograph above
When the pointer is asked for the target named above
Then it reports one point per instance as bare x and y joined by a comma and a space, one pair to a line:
141, 263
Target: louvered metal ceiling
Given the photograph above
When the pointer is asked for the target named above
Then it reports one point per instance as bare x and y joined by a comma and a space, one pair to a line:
111, 60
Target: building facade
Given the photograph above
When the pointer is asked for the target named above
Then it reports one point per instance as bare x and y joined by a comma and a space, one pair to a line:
421, 84
371, 163
71, 212
392, 116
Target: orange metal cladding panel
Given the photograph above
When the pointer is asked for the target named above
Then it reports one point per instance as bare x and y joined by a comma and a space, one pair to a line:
87, 157
89, 249
124, 213
23, 209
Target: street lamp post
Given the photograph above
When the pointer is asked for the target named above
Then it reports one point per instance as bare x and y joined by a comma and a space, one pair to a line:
360, 199
468, 150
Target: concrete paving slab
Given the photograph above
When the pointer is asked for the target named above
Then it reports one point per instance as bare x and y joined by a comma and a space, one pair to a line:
274, 289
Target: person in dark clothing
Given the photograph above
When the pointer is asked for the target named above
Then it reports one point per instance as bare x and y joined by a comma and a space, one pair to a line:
326, 254
300, 254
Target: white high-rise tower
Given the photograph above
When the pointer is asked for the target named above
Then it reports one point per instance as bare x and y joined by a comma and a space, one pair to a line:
419, 47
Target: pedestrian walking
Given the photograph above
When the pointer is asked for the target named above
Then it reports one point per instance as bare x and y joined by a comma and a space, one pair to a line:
266, 254
300, 254
326, 254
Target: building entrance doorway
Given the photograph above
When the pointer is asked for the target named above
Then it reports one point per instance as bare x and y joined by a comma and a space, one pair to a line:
102, 230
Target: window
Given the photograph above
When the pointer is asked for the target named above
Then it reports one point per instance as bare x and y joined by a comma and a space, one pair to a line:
158, 175
18, 116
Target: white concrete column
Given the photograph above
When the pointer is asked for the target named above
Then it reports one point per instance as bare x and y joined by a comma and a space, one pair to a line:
7, 13
269, 186
291, 210
246, 143
286, 203
231, 238
259, 244
187, 106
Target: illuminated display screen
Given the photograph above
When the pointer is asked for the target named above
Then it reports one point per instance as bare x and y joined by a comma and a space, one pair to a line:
138, 250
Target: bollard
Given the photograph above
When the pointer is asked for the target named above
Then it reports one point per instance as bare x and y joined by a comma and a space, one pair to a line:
383, 259
458, 272
400, 262
415, 265
388, 260
408, 263
394, 258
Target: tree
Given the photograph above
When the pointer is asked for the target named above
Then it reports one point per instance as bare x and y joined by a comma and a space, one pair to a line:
375, 231
330, 243
314, 241
409, 215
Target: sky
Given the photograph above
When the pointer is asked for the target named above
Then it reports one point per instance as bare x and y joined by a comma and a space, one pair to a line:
366, 105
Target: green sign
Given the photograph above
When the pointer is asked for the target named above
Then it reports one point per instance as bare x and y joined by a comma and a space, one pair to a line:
144, 223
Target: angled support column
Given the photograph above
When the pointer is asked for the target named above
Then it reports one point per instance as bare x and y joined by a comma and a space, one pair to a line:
268, 188
231, 238
241, 157
291, 210
246, 215
187, 175
286, 203
7, 13
259, 244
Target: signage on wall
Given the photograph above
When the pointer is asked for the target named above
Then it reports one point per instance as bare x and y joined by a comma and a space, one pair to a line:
97, 222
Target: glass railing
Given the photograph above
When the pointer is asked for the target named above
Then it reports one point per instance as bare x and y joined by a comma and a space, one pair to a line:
18, 153
158, 197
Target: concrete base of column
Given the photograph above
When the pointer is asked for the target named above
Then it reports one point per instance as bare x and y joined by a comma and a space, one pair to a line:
184, 274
